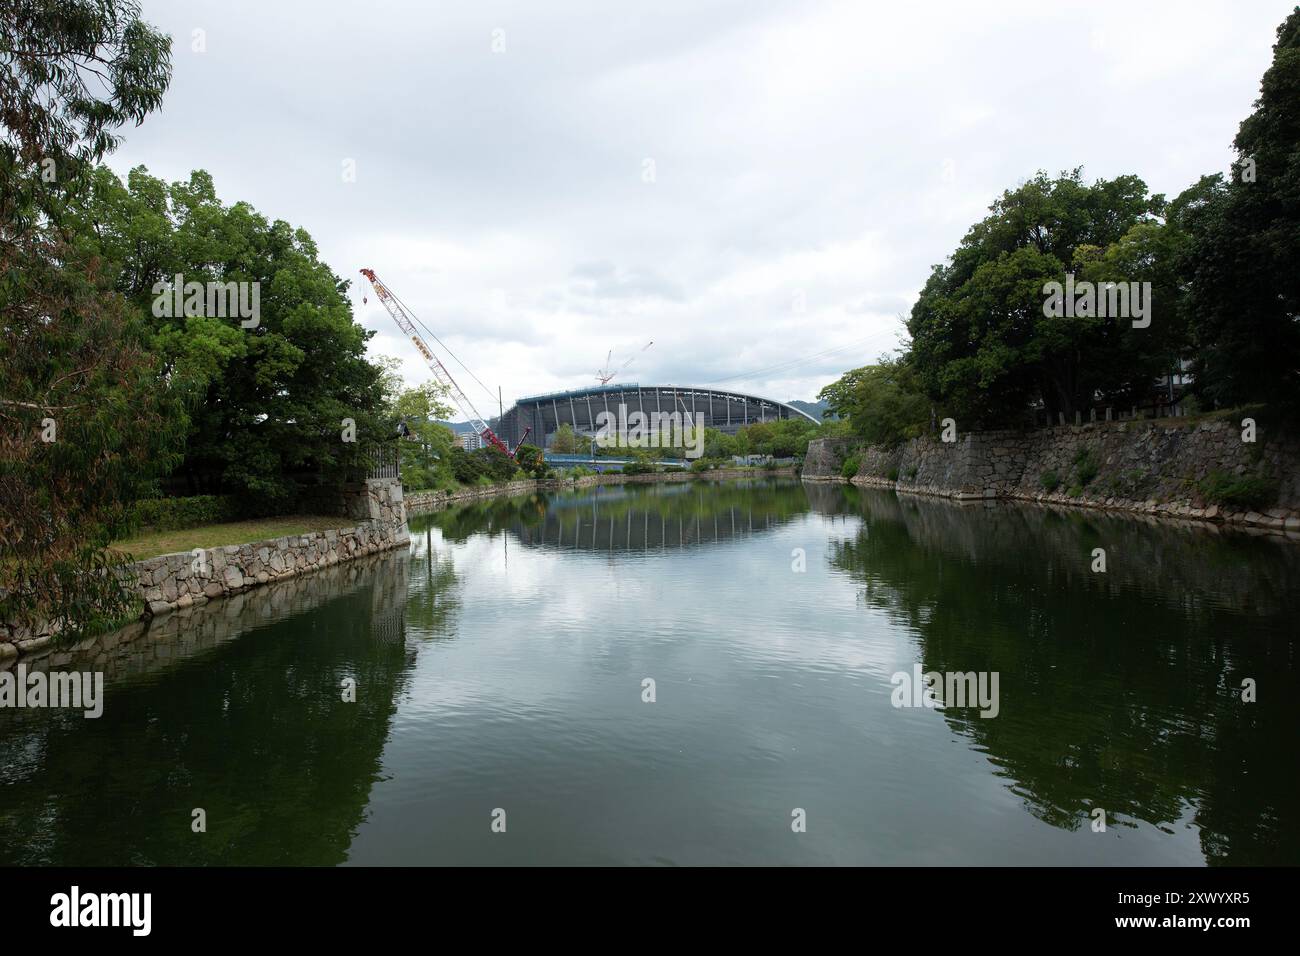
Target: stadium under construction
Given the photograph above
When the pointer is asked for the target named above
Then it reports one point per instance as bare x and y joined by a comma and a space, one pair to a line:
540, 415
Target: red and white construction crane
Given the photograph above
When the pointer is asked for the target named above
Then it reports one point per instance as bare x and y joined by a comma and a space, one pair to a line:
458, 397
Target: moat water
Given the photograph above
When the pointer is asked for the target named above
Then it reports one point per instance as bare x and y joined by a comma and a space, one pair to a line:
698, 673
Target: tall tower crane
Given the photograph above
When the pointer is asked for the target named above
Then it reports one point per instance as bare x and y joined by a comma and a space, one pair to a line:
458, 397
606, 375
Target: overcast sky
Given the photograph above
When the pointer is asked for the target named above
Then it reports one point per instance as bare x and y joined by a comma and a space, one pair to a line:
746, 183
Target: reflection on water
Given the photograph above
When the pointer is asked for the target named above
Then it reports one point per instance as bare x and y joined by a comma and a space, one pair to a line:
1121, 690
629, 517
234, 707
500, 663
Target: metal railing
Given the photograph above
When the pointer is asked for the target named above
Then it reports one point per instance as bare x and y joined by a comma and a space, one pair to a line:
385, 461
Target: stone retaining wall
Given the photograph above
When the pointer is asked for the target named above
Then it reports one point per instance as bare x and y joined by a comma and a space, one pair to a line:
173, 582
155, 644
825, 457
420, 500
1145, 467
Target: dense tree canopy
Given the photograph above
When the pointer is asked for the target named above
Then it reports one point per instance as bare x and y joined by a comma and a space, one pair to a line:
780, 438
1244, 265
103, 393
783, 438
982, 343
482, 465
1220, 261
84, 425
269, 402
84, 431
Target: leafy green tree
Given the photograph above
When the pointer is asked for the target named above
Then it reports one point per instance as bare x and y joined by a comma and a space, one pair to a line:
426, 452
1124, 360
277, 403
84, 426
482, 465
883, 403
980, 340
742, 444
784, 438
1244, 298
718, 444
565, 441
84, 431
531, 461
71, 72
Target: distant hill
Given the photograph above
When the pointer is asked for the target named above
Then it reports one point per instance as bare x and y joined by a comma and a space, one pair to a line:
815, 409
459, 428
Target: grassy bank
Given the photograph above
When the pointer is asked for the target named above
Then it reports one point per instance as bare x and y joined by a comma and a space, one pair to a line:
152, 543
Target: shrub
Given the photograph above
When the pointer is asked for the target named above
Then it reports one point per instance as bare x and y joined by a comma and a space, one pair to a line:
423, 479
173, 514
1050, 481
893, 474
1131, 484
638, 468
701, 465
490, 463
531, 461
850, 466
911, 472
1086, 465
1249, 491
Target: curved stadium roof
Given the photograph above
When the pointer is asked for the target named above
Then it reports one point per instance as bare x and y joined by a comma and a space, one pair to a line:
724, 409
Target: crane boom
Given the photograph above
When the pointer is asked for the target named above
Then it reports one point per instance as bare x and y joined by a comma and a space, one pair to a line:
605, 376
458, 397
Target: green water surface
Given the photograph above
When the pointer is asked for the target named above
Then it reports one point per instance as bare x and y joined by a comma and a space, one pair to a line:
500, 664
